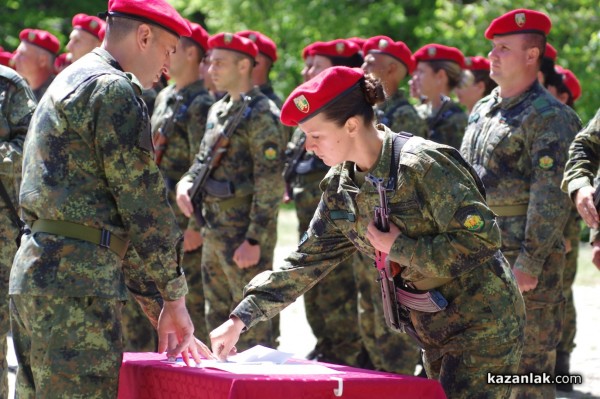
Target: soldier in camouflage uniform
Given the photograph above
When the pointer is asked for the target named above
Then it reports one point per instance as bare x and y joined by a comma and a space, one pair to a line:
240, 228
178, 124
475, 83
517, 140
441, 233
34, 59
87, 34
17, 104
267, 55
89, 187
439, 73
578, 181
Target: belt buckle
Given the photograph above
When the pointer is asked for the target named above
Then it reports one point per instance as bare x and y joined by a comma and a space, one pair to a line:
104, 238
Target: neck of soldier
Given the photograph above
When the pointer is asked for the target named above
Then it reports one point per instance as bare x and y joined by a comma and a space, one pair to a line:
244, 85
390, 87
186, 77
37, 80
515, 85
368, 148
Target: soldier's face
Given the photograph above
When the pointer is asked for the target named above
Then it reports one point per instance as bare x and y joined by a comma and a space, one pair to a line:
81, 43
27, 60
320, 63
327, 140
158, 59
260, 72
427, 80
178, 60
223, 69
374, 64
308, 62
508, 58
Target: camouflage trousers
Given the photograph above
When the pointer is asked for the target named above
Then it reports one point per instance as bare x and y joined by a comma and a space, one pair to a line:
545, 313
464, 374
331, 305
67, 347
567, 341
224, 282
388, 351
8, 248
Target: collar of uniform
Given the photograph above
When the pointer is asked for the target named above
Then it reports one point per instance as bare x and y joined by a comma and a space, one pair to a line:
266, 88
382, 165
511, 102
192, 89
106, 56
394, 99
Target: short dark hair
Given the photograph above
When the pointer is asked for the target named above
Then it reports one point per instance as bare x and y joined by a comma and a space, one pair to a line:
452, 69
119, 27
186, 42
358, 101
354, 61
484, 76
536, 40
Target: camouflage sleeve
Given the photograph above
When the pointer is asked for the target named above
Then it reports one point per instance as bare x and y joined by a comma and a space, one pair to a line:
321, 248
122, 142
468, 233
17, 108
548, 208
584, 158
408, 120
267, 145
196, 123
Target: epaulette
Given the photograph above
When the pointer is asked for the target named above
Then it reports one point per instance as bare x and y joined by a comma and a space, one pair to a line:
543, 106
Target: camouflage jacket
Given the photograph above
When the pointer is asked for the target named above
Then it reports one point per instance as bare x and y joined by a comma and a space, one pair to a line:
584, 159
39, 92
447, 124
446, 231
400, 116
17, 104
267, 90
253, 161
88, 160
518, 146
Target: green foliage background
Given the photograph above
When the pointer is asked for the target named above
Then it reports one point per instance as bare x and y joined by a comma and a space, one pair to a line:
295, 23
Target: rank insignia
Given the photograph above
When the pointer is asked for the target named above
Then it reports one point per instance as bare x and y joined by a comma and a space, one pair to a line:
431, 51
302, 104
520, 19
382, 43
339, 47
270, 152
228, 37
546, 162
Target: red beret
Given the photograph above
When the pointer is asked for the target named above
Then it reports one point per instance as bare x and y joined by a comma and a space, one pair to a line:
438, 52
263, 42
359, 41
6, 58
157, 12
519, 21
40, 38
335, 48
570, 80
308, 50
477, 63
102, 33
550, 52
233, 42
88, 23
199, 35
385, 45
311, 97
62, 61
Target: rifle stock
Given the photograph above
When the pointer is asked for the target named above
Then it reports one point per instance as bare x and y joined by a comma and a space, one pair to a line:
289, 170
161, 138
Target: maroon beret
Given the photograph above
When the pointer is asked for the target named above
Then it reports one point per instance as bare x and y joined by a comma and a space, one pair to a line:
439, 52
157, 12
199, 35
335, 48
41, 38
359, 41
385, 45
6, 58
88, 23
477, 63
62, 61
550, 52
263, 42
519, 21
311, 97
570, 80
233, 42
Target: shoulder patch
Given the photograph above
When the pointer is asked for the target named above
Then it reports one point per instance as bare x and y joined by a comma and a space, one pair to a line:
470, 218
270, 151
546, 162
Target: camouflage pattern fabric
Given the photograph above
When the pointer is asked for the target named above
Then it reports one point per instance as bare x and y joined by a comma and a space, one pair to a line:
184, 137
446, 124
400, 116
39, 92
436, 204
253, 164
17, 104
100, 175
267, 90
518, 146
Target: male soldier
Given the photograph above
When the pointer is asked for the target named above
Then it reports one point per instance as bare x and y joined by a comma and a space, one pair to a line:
89, 187
178, 124
517, 140
17, 104
6, 59
34, 59
267, 55
240, 214
87, 34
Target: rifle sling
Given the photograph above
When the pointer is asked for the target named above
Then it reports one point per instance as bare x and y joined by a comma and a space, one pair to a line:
14, 215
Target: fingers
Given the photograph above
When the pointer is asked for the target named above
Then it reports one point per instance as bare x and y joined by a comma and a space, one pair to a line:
203, 350
182, 348
163, 341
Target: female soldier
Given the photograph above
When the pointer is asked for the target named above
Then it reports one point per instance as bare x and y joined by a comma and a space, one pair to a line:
441, 233
476, 82
439, 70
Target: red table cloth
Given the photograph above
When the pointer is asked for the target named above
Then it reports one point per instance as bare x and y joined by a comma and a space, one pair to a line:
146, 376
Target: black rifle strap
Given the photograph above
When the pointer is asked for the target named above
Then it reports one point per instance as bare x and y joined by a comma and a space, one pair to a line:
398, 141
11, 207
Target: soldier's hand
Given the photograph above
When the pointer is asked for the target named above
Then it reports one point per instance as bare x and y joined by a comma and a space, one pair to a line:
183, 198
200, 346
224, 338
246, 255
596, 253
192, 240
584, 201
382, 241
525, 281
175, 319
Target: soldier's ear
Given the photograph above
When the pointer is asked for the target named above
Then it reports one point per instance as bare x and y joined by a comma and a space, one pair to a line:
352, 124
144, 33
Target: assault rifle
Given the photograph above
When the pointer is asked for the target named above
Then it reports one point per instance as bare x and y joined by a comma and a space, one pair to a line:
161, 138
213, 159
289, 170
